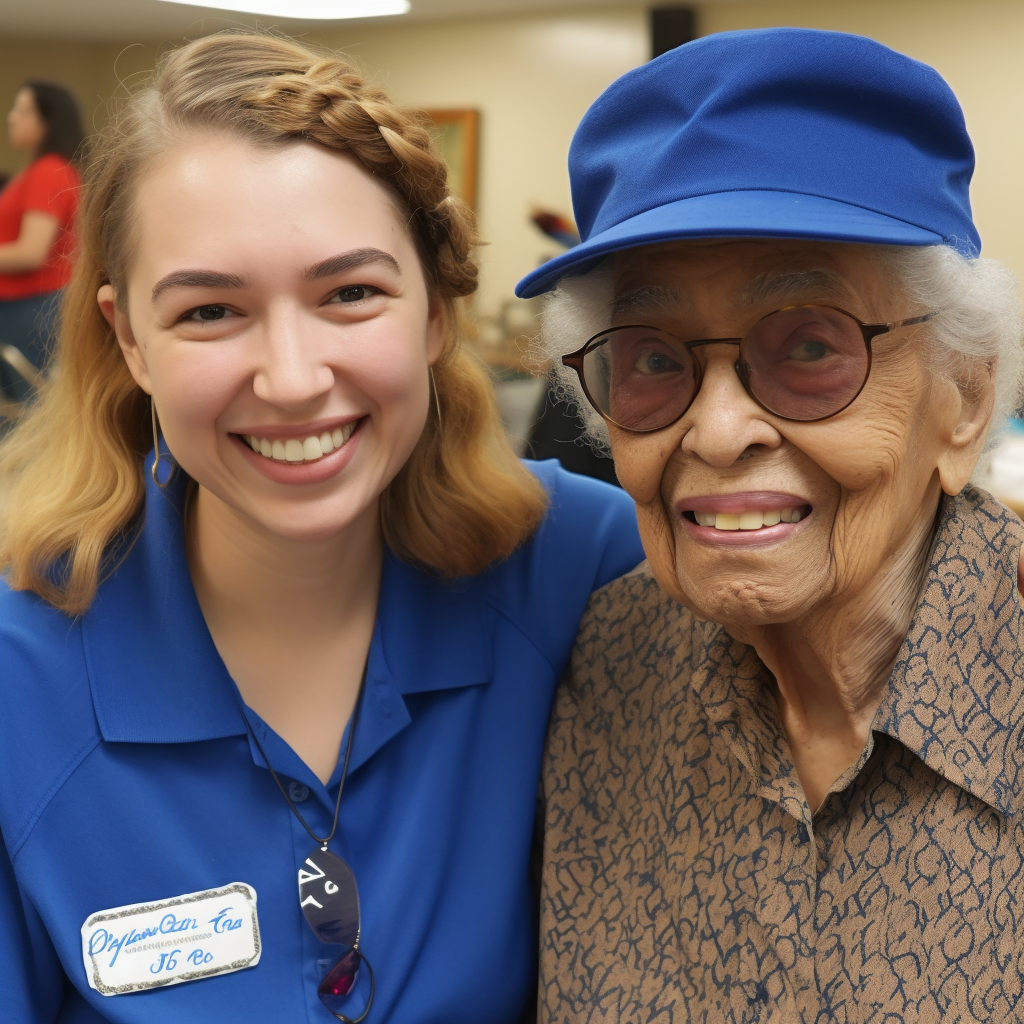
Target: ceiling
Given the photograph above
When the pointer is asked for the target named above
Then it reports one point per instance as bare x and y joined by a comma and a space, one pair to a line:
115, 20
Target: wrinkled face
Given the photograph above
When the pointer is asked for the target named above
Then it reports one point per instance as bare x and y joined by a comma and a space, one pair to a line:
25, 125
278, 314
715, 489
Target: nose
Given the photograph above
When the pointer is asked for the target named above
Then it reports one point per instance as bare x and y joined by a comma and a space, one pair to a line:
723, 422
292, 370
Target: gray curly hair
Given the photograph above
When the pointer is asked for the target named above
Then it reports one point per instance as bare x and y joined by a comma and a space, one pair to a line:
979, 320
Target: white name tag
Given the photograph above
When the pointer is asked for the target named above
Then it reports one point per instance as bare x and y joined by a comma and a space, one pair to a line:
149, 945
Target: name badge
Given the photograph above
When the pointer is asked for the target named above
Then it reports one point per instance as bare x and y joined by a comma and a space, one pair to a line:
149, 945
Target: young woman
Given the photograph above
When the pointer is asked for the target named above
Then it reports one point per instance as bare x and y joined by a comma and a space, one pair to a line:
37, 212
299, 663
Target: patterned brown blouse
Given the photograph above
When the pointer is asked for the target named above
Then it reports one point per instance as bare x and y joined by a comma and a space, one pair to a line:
685, 878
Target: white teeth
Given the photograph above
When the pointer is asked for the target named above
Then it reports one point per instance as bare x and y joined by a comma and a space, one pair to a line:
307, 449
748, 520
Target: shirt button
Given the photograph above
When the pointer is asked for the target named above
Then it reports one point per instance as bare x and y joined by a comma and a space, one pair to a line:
298, 792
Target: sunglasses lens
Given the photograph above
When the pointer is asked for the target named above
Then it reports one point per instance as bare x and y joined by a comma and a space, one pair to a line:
329, 898
639, 377
339, 984
805, 363
339, 981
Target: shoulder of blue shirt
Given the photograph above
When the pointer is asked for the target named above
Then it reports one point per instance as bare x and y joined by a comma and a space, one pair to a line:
587, 538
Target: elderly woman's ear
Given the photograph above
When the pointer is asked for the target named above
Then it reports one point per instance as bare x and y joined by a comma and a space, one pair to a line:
970, 399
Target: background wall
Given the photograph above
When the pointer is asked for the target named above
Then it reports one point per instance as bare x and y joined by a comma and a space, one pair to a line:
532, 77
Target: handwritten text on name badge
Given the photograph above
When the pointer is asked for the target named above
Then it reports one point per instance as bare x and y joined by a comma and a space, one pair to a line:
149, 945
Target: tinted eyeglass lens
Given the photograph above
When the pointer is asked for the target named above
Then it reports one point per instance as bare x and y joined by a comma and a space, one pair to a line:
805, 363
639, 377
329, 898
339, 982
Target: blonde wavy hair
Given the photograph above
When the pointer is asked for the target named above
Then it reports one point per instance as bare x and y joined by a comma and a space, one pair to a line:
71, 470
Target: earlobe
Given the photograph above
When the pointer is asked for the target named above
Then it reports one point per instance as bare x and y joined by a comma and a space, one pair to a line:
106, 299
968, 430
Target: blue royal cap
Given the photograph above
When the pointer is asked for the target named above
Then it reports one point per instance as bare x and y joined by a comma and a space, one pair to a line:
771, 133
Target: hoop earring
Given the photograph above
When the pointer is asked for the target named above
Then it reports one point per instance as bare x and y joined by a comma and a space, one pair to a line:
437, 400
154, 469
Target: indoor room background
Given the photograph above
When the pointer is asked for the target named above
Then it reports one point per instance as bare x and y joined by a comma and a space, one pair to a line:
532, 76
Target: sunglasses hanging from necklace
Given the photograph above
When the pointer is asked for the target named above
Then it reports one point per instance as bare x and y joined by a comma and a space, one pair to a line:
327, 890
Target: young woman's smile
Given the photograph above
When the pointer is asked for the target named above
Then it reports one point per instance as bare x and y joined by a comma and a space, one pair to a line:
287, 356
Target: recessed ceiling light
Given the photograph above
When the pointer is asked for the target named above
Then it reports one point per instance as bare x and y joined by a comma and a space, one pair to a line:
322, 10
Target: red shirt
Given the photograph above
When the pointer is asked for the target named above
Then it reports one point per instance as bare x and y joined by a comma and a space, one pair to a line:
49, 184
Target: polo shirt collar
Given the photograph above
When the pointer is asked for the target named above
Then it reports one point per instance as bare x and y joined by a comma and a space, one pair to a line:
156, 675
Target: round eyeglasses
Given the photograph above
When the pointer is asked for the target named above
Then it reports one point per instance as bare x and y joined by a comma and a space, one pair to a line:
800, 363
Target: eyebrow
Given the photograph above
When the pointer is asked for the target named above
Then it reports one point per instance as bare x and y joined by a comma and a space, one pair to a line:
196, 279
325, 268
775, 287
646, 300
349, 261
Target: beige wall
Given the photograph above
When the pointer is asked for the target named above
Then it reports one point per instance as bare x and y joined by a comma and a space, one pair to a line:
532, 77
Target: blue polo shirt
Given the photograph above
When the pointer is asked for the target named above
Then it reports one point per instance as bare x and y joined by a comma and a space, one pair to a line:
127, 776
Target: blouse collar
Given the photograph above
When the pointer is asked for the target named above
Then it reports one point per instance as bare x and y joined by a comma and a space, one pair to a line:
955, 696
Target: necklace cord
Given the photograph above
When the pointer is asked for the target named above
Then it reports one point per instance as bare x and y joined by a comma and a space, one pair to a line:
320, 841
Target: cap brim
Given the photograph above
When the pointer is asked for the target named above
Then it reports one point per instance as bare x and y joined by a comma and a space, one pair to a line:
755, 214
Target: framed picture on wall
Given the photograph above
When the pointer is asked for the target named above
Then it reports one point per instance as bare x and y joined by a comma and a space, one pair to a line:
458, 134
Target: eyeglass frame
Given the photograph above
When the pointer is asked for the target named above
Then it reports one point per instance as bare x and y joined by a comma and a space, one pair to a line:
574, 360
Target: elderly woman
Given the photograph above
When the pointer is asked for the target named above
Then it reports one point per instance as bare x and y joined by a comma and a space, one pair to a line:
784, 775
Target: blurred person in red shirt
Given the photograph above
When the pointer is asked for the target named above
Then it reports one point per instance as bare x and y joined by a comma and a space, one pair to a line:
37, 213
